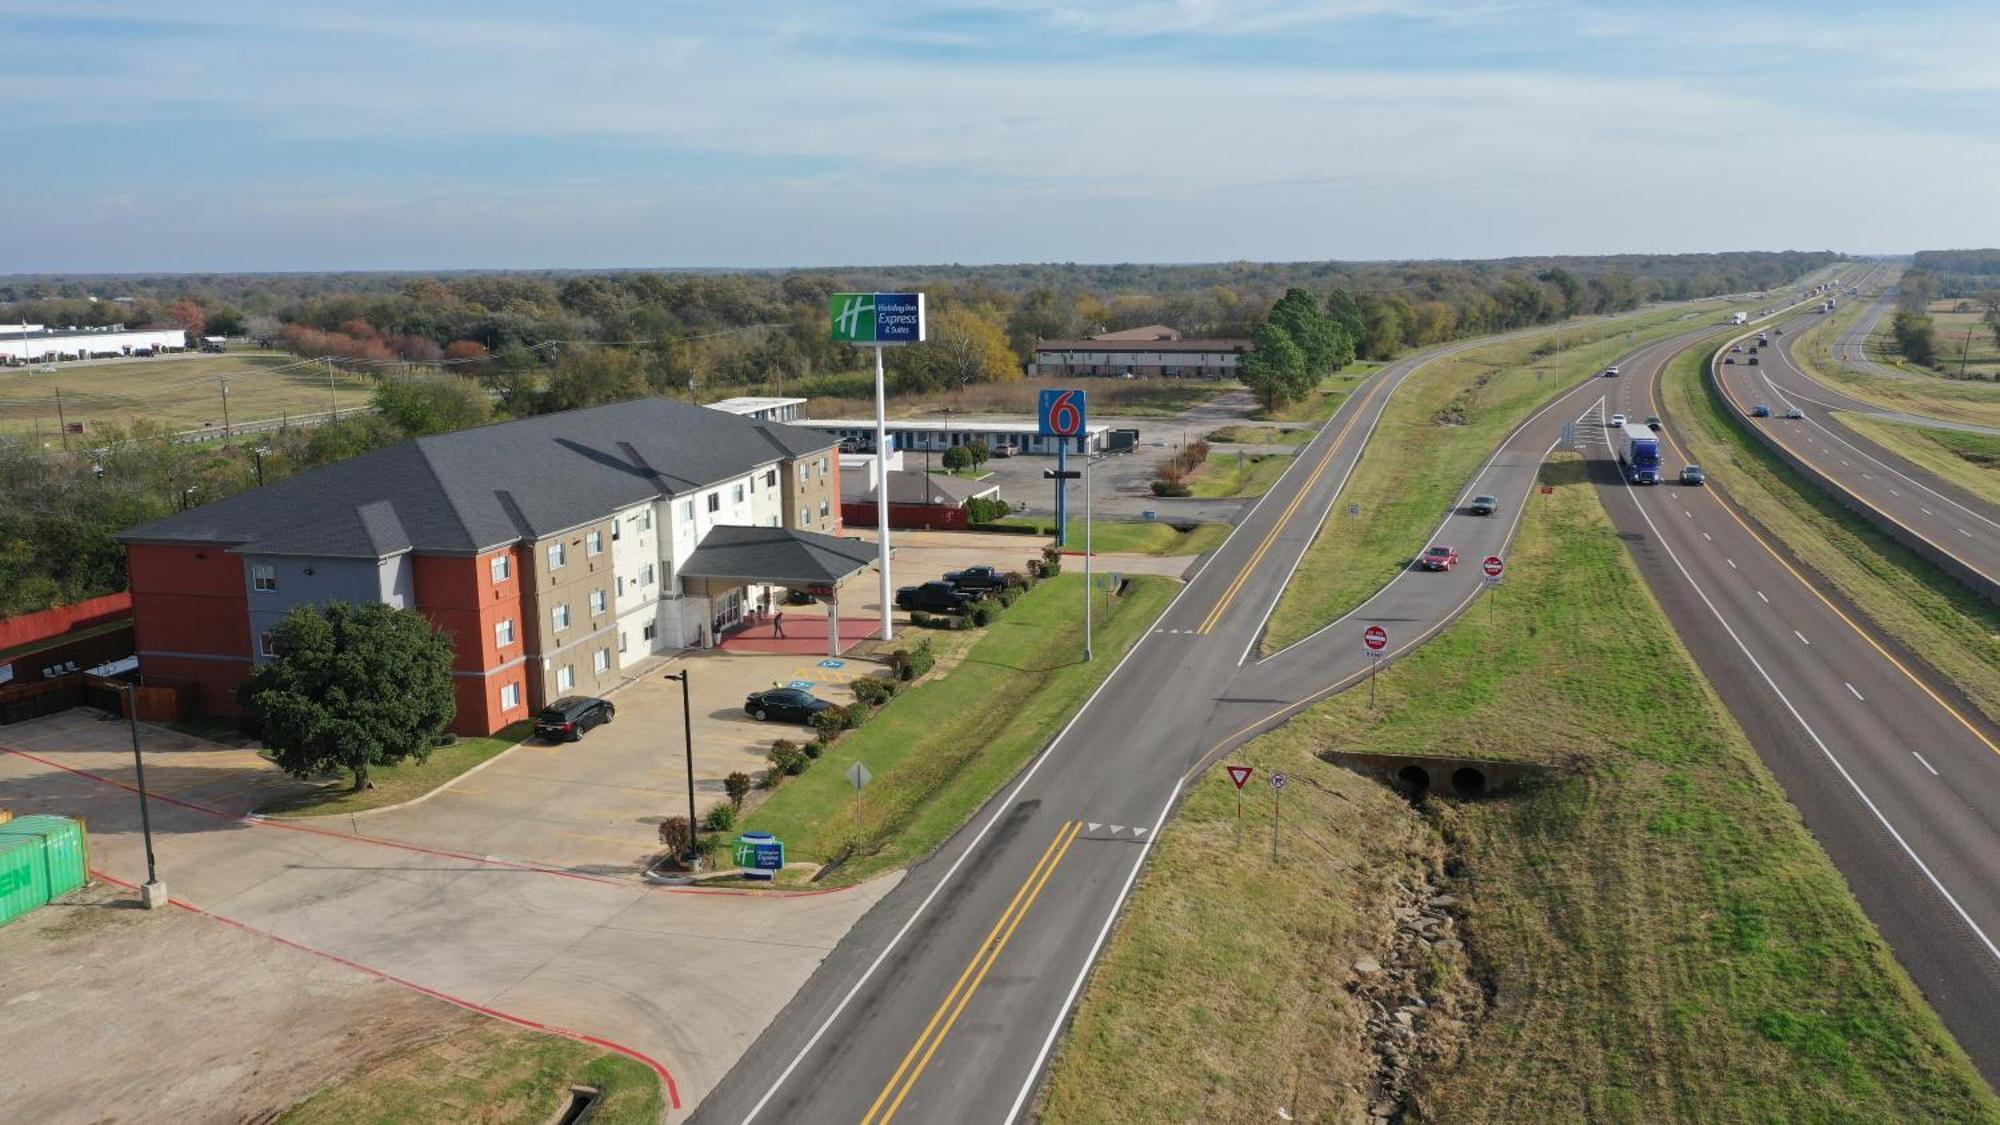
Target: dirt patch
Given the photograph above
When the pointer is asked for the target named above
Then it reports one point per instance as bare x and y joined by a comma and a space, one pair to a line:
113, 1013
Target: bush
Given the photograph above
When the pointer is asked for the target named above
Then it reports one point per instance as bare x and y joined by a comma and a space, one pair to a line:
858, 712
737, 785
721, 818
1008, 596
674, 835
788, 762
1171, 488
813, 749
984, 510
1015, 580
874, 690
985, 613
911, 663
830, 722
1008, 528
921, 619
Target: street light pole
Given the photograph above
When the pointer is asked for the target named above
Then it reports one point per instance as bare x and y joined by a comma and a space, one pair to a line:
687, 735
154, 893
1089, 593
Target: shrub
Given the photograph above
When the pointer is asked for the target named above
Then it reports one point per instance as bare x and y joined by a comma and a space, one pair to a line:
1015, 580
789, 761
1171, 488
1051, 561
721, 818
737, 785
874, 690
921, 619
985, 613
830, 722
674, 835
911, 663
1008, 596
981, 509
813, 749
784, 745
858, 712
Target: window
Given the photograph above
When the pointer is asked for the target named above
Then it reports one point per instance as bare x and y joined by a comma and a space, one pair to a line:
621, 585
736, 496
593, 544
651, 630
566, 677
266, 646
805, 517
646, 575
621, 642
771, 478
714, 502
805, 472
503, 567
596, 602
603, 661
264, 578
617, 531
646, 520
687, 510
510, 696
753, 483
822, 466
561, 617
557, 556
503, 633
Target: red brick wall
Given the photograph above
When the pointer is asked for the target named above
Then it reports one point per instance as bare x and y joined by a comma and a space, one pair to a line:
908, 516
459, 595
191, 601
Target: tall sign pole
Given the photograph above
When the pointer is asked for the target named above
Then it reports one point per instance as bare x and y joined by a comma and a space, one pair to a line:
1089, 592
879, 320
1061, 415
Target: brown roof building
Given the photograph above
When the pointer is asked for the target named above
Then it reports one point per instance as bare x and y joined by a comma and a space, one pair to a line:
1115, 355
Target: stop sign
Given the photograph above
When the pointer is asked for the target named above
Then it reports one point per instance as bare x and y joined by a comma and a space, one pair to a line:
1376, 638
1493, 566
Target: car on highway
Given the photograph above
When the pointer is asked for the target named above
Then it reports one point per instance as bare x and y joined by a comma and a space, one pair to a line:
1760, 411
1652, 421
1737, 348
1794, 413
787, 705
568, 718
1438, 557
977, 579
1729, 359
1753, 361
1611, 372
934, 597
1485, 505
1692, 474
1617, 420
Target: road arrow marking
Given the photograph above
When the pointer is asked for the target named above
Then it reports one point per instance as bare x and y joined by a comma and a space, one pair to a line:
1094, 826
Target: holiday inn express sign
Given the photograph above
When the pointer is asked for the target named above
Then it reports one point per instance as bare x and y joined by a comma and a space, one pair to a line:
877, 318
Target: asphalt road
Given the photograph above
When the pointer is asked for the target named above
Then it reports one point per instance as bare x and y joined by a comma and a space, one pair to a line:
945, 1001
1852, 347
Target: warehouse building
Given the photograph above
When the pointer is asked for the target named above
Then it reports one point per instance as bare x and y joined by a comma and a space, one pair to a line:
1153, 351
556, 551
34, 343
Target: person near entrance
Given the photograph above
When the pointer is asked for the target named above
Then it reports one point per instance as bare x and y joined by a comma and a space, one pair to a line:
778, 624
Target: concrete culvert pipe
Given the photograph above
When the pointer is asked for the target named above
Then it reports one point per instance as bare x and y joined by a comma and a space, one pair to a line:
1417, 778
1468, 782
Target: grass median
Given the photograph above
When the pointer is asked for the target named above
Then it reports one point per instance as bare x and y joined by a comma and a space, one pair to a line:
940, 750
1971, 461
1238, 474
1908, 598
1133, 537
486, 1072
1261, 435
1653, 934
1442, 423
1924, 391
392, 785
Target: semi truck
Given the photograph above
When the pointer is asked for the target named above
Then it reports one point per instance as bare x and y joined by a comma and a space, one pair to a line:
1739, 318
1639, 452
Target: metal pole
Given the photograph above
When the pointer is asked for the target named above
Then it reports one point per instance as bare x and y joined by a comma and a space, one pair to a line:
1062, 492
1089, 593
63, 422
882, 493
332, 395
139, 766
1277, 801
687, 735
225, 406
259, 454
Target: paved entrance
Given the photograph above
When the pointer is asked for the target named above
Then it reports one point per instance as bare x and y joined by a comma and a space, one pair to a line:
805, 633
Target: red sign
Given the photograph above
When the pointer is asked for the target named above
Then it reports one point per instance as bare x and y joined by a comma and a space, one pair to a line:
1492, 566
1548, 490
1239, 774
1376, 638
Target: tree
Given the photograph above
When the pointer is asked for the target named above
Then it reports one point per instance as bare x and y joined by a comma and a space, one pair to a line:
958, 458
189, 315
432, 404
353, 686
1915, 337
593, 377
964, 347
1319, 337
1276, 370
980, 453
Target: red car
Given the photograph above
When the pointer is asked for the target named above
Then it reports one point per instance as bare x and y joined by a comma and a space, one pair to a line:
1439, 557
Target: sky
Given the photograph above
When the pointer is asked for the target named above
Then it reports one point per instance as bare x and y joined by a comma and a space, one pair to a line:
439, 134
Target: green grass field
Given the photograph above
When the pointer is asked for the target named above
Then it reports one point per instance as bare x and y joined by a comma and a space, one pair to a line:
1933, 615
1442, 423
1925, 392
1133, 537
1971, 461
1235, 474
941, 749
489, 1072
404, 782
1261, 435
1653, 934
181, 391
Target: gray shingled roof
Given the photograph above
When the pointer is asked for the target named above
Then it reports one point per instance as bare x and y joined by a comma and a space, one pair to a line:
776, 554
907, 486
476, 489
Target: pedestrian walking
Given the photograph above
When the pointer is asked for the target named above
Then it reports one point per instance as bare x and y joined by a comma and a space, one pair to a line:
778, 624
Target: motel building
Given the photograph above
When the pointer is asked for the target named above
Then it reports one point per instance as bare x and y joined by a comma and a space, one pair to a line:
34, 343
556, 551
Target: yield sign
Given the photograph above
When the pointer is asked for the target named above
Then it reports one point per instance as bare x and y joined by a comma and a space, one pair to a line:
1239, 774
1492, 565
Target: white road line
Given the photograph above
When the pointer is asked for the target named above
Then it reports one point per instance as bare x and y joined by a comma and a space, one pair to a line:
1760, 594
1802, 638
1925, 510
1732, 564
1687, 513
1965, 533
1926, 765
1893, 492
1707, 536
1857, 695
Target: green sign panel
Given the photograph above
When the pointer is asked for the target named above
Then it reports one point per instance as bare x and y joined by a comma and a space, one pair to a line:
877, 318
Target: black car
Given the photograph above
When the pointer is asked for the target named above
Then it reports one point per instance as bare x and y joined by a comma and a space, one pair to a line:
1652, 421
567, 718
934, 597
974, 578
1484, 505
1692, 474
785, 704
1753, 361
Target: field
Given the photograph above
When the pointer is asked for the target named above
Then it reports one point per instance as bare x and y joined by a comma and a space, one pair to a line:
1933, 615
1238, 474
1649, 934
1259, 435
1133, 537
1971, 461
1442, 423
184, 392
941, 749
1925, 392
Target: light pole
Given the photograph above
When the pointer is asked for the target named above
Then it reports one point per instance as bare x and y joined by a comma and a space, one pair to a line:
154, 893
260, 451
687, 734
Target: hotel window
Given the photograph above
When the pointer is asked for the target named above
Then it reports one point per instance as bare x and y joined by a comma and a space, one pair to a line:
503, 633
714, 502
646, 575
736, 496
510, 696
266, 646
561, 617
646, 520
503, 567
616, 532
621, 585
621, 642
805, 472
557, 556
822, 509
651, 630
264, 578
687, 510
771, 478
596, 602
566, 677
603, 661
593, 544
805, 517
822, 466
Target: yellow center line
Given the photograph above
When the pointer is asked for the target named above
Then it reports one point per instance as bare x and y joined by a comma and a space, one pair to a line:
1652, 396
1029, 887
1285, 517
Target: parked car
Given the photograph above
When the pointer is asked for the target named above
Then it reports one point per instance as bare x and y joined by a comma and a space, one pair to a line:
1484, 505
1760, 411
1616, 421
787, 705
1438, 557
1692, 474
568, 718
934, 597
1004, 449
1652, 421
977, 579
1794, 413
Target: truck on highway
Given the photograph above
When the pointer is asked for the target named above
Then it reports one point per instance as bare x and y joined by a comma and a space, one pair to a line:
1639, 452
1739, 318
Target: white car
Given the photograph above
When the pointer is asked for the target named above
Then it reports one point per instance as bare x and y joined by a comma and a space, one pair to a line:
1617, 421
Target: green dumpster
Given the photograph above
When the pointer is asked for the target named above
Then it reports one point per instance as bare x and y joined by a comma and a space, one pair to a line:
24, 876
65, 849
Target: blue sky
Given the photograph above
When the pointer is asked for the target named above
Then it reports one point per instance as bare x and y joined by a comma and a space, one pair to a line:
223, 135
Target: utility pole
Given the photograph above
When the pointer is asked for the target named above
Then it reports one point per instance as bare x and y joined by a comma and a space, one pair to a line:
1963, 351
687, 734
224, 380
154, 893
63, 422
332, 395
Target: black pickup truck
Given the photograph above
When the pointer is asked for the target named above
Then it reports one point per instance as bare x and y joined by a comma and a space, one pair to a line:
977, 578
933, 597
